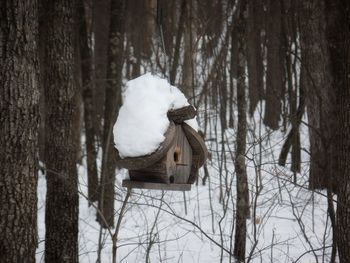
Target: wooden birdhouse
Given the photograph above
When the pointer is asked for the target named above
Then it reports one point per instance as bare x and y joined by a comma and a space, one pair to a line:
174, 165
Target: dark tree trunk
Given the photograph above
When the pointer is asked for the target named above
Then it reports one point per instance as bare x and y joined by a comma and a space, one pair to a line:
113, 102
254, 54
319, 93
336, 19
222, 88
179, 33
87, 88
169, 11
274, 71
61, 219
42, 34
19, 118
341, 69
242, 207
343, 210
233, 74
187, 73
295, 114
101, 14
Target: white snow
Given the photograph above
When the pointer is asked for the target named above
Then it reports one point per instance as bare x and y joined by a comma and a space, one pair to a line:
142, 119
291, 223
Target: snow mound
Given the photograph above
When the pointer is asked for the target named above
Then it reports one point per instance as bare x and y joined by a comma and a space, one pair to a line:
142, 119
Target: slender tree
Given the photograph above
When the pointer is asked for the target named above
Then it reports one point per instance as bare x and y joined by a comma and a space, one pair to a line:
274, 71
19, 118
242, 207
87, 90
61, 219
254, 54
179, 33
187, 72
100, 28
112, 104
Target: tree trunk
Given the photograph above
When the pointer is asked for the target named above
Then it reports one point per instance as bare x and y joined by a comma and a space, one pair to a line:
319, 94
254, 54
113, 102
343, 209
295, 114
341, 64
179, 33
233, 74
61, 219
19, 118
87, 88
242, 205
187, 73
101, 15
274, 71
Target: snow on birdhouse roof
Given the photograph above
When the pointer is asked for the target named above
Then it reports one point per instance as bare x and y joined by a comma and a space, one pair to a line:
142, 120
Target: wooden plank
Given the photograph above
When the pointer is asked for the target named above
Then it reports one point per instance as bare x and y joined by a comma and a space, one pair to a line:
140, 162
156, 173
184, 162
180, 115
194, 169
197, 143
156, 186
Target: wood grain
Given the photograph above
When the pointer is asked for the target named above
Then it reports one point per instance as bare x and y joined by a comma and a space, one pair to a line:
156, 186
180, 115
140, 162
197, 143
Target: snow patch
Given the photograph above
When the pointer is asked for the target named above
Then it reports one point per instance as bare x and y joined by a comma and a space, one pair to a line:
142, 119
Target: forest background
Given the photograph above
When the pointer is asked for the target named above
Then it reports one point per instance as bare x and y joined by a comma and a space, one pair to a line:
270, 80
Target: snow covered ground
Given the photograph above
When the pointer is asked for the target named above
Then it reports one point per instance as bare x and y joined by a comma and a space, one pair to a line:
289, 221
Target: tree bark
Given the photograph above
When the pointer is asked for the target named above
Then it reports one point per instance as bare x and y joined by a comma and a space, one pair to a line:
61, 219
187, 73
242, 205
274, 71
101, 14
113, 102
233, 74
87, 89
319, 93
19, 118
254, 54
179, 33
341, 68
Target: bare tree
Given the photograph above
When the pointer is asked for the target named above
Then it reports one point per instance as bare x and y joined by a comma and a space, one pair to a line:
320, 96
100, 28
187, 72
87, 90
254, 54
340, 53
61, 219
112, 104
19, 118
274, 71
242, 205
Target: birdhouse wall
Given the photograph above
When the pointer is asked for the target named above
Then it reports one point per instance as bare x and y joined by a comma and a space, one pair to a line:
174, 167
179, 158
156, 173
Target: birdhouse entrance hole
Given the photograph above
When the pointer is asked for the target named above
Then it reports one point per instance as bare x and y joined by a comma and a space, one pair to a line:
177, 154
172, 179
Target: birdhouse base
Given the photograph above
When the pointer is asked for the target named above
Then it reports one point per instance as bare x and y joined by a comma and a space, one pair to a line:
156, 186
